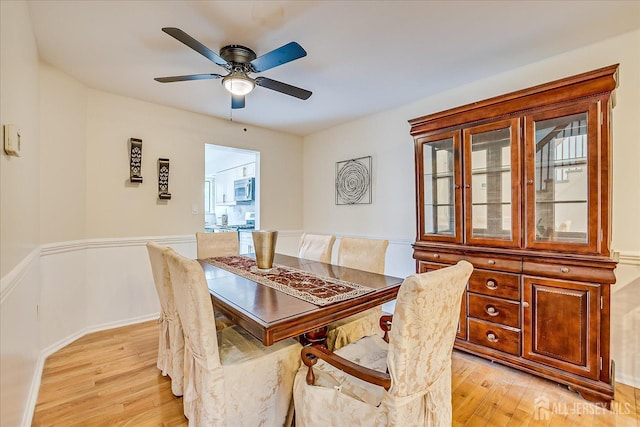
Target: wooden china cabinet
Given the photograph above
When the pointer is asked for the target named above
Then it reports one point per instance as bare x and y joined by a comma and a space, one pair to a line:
520, 186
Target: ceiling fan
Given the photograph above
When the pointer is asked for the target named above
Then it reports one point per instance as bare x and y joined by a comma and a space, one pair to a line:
240, 61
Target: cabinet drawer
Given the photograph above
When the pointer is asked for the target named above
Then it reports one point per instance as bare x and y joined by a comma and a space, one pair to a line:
495, 310
569, 272
495, 284
491, 335
443, 257
491, 263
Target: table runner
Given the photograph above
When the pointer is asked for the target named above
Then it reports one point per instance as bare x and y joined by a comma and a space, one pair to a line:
301, 284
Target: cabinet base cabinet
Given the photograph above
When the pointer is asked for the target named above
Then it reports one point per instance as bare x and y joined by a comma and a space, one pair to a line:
550, 327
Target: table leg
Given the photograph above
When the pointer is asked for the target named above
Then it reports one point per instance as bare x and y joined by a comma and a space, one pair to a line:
316, 336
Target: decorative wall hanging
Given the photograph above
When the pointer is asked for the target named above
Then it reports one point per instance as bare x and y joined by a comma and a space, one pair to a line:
163, 179
353, 181
135, 160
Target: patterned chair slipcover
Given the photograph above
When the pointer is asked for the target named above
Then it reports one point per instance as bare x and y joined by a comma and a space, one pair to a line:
418, 358
367, 255
230, 378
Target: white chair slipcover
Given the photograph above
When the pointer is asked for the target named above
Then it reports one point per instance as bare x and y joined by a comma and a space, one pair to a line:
316, 247
171, 341
418, 358
367, 255
217, 244
230, 378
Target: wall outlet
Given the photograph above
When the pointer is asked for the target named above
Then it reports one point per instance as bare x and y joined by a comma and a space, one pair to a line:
194, 209
11, 137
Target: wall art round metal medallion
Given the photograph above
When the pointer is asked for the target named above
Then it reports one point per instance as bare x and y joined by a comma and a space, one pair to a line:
353, 181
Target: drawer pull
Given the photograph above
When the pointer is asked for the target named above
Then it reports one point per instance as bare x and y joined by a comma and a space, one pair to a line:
491, 262
491, 337
491, 311
491, 284
564, 270
525, 304
436, 255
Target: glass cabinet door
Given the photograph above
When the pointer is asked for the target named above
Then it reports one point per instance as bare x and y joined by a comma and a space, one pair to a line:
439, 187
562, 156
492, 183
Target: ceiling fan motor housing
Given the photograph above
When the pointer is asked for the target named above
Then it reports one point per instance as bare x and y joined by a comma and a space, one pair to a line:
237, 55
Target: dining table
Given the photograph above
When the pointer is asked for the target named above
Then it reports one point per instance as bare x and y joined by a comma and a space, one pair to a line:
296, 298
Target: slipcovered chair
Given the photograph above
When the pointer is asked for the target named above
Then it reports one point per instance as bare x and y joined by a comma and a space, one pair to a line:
217, 244
230, 378
361, 254
316, 247
171, 341
403, 382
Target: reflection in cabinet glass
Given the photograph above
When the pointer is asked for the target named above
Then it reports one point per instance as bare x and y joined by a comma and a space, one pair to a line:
561, 179
439, 197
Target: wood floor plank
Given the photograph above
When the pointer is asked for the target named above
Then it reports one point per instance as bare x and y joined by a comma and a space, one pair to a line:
110, 378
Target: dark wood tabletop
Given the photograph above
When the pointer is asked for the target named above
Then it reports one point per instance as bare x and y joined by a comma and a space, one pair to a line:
271, 315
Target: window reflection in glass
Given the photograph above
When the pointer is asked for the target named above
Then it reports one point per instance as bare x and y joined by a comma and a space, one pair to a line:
561, 180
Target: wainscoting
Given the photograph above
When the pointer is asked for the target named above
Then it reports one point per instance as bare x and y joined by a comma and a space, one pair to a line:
65, 290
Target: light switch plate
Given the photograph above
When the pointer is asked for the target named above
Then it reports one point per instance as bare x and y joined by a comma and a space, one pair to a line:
11, 138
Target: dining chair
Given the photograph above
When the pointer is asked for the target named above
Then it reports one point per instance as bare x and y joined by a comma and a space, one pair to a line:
405, 381
217, 244
316, 247
367, 255
230, 378
171, 341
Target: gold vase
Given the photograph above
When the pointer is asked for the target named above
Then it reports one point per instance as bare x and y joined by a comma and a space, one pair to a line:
264, 242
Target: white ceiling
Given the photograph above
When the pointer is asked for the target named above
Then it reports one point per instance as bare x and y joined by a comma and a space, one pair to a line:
363, 56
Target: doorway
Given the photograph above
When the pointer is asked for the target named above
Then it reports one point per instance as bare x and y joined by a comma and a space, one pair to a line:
231, 189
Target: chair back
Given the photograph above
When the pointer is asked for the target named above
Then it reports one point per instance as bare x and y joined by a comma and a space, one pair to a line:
193, 302
316, 247
161, 278
217, 244
424, 327
171, 340
363, 254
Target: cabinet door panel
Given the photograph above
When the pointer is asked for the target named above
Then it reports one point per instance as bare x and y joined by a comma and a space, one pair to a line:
438, 187
561, 168
492, 183
561, 321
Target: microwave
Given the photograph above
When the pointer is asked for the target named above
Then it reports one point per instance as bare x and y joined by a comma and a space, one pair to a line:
243, 190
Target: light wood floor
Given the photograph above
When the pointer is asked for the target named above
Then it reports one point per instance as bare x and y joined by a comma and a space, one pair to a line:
110, 378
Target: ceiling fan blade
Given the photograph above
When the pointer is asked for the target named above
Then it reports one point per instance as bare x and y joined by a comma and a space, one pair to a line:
283, 88
194, 44
279, 56
185, 78
237, 101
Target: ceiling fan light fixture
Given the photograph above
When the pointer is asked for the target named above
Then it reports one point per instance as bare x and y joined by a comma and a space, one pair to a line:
238, 83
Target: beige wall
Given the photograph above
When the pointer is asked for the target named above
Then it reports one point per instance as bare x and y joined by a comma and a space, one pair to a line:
19, 214
117, 208
19, 176
63, 176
